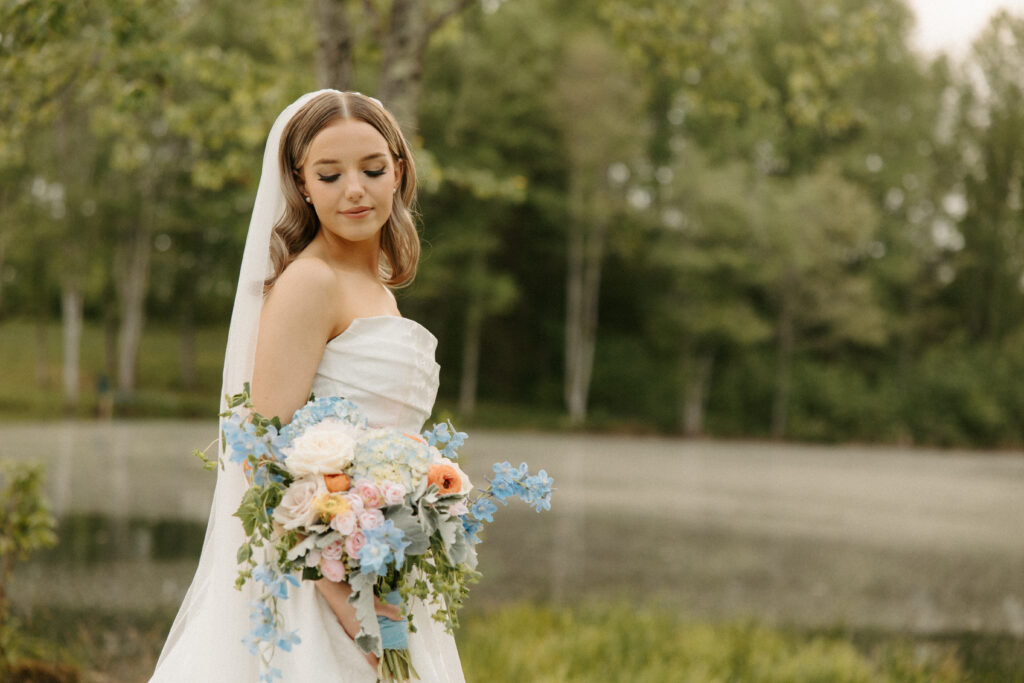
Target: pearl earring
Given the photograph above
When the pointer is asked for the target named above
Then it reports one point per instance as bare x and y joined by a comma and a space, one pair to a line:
308, 200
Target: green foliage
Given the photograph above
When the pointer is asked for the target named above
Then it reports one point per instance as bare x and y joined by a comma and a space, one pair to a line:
26, 526
624, 643
814, 218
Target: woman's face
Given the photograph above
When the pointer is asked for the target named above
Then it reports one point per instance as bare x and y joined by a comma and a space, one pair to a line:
350, 178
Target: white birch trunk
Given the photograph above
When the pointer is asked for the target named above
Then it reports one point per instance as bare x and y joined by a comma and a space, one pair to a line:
133, 294
585, 256
695, 393
471, 357
71, 327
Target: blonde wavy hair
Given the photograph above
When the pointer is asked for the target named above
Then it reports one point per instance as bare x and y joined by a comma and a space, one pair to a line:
399, 241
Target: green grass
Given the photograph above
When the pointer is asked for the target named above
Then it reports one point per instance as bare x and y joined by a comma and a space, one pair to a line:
610, 644
160, 392
525, 643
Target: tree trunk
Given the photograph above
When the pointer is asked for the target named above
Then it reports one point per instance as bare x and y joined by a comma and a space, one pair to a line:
471, 356
3, 245
42, 352
133, 294
784, 367
401, 74
696, 381
71, 316
188, 353
334, 59
583, 284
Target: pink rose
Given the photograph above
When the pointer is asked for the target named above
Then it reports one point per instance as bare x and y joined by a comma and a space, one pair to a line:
393, 492
355, 502
333, 570
369, 492
344, 524
353, 543
371, 519
334, 550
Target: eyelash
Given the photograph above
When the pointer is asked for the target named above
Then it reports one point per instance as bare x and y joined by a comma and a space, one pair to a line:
372, 174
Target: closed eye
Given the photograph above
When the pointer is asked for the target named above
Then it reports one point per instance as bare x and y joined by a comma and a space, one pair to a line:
375, 174
329, 178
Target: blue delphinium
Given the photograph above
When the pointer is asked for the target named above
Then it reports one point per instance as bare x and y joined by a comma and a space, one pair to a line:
444, 434
472, 528
516, 482
484, 510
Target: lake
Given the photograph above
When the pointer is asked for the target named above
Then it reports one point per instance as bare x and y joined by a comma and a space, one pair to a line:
920, 541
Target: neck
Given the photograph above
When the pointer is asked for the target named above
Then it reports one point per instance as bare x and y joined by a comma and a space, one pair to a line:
353, 256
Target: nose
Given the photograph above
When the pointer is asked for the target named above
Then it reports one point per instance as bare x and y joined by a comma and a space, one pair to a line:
353, 186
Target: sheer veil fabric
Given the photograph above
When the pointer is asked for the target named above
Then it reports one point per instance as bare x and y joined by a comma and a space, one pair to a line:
204, 643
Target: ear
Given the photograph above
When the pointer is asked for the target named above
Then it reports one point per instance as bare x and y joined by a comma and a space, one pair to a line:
399, 173
300, 182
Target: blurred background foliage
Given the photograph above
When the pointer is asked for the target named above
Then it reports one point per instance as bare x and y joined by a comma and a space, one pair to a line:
737, 219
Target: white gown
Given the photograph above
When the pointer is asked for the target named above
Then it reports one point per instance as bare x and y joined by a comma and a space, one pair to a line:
384, 364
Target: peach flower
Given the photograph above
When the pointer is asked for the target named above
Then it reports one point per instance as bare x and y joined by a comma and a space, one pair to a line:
337, 482
446, 477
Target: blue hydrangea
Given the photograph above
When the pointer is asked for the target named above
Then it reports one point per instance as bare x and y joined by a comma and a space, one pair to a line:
319, 410
374, 556
390, 536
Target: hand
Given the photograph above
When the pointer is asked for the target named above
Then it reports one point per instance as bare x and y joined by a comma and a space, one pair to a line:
336, 595
386, 609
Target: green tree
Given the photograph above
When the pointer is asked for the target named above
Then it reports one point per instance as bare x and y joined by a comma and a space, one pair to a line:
598, 109
26, 525
990, 269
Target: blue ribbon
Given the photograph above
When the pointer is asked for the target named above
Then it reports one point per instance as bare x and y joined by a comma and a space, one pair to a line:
394, 634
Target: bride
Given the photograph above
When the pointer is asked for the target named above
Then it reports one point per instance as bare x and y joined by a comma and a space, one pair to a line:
331, 232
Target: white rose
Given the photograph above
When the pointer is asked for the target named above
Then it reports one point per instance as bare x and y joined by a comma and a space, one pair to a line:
296, 508
325, 448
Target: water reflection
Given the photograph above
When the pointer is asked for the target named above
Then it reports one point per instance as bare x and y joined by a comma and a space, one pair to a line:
813, 536
91, 538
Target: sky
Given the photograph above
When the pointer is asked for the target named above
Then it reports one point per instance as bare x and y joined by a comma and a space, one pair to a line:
951, 25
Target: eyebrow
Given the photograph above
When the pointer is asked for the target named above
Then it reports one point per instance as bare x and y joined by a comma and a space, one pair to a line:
368, 157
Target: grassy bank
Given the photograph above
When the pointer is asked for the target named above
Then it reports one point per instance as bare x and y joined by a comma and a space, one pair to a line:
31, 365
525, 643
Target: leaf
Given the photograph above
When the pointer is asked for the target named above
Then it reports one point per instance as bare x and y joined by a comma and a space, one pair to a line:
361, 598
403, 518
244, 553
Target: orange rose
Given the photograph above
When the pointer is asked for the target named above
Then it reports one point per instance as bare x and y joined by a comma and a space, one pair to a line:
446, 477
337, 482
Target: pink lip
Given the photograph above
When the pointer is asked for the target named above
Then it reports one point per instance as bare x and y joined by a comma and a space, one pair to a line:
358, 212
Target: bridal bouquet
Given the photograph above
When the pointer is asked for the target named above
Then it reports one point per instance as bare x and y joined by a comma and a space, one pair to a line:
390, 513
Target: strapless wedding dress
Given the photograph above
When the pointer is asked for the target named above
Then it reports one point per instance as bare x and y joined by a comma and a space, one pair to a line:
386, 366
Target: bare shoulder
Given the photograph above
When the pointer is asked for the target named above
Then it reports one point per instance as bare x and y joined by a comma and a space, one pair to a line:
304, 277
302, 297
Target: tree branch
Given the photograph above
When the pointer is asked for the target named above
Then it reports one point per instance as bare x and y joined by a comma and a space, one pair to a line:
437, 22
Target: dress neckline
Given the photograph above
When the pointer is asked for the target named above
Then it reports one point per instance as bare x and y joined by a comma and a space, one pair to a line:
373, 319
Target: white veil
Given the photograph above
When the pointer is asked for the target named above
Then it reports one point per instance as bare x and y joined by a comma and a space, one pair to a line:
197, 647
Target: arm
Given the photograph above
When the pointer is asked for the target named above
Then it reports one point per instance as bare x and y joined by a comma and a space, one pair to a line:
295, 324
